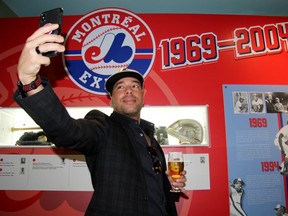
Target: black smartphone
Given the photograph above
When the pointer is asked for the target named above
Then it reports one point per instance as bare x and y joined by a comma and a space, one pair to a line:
52, 16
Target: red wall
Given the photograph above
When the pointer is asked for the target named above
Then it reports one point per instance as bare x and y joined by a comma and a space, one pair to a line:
197, 84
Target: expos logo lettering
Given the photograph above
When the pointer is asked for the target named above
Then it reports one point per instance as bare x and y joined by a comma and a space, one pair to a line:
105, 41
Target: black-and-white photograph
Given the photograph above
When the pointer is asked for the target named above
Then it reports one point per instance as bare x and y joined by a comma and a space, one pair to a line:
240, 102
256, 102
161, 135
276, 102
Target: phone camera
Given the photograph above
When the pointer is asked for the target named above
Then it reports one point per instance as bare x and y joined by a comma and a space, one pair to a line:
43, 17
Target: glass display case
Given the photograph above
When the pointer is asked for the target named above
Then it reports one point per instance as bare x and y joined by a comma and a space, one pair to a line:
174, 125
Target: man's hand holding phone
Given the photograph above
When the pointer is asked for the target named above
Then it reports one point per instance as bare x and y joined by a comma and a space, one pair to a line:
44, 43
30, 61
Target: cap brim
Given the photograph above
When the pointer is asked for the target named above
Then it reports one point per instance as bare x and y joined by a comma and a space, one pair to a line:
119, 75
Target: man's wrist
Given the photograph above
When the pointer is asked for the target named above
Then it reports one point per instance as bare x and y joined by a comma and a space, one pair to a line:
31, 86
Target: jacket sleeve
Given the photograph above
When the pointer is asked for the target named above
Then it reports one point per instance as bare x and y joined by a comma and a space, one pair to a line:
45, 108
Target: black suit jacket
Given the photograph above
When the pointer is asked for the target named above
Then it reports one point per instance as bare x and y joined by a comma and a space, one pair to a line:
107, 143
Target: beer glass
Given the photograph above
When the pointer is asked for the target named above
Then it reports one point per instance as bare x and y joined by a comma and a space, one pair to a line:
175, 166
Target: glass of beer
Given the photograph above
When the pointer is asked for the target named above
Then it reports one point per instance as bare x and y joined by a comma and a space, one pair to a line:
175, 166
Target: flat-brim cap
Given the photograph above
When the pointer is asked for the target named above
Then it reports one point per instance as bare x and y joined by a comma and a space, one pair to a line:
121, 74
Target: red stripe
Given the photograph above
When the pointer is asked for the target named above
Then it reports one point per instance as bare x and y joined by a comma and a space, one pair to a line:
143, 56
71, 58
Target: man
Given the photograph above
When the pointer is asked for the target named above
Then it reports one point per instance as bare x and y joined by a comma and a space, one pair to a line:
281, 141
162, 140
235, 198
257, 104
278, 105
269, 104
240, 107
126, 163
280, 210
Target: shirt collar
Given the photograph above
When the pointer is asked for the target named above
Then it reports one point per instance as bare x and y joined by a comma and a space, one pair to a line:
144, 124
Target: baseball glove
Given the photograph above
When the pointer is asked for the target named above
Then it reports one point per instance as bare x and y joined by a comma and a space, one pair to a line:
188, 131
33, 138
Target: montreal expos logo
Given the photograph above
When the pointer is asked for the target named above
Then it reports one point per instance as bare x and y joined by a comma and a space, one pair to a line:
103, 42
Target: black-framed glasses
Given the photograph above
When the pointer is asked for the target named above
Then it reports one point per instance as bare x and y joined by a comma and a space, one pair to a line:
157, 167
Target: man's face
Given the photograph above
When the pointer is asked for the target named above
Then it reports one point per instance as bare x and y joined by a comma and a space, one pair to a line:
127, 97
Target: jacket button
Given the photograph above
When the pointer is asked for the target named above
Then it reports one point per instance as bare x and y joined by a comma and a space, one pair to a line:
145, 198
